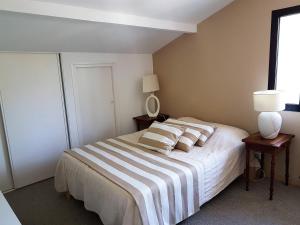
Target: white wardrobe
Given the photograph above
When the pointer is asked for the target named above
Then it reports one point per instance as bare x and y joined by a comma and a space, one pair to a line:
6, 182
33, 117
49, 103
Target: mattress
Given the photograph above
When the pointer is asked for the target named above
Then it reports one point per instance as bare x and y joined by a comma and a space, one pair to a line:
221, 160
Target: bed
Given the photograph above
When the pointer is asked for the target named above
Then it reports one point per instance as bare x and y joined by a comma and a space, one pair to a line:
219, 162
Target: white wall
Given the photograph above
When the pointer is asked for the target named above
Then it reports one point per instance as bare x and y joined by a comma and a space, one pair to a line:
128, 70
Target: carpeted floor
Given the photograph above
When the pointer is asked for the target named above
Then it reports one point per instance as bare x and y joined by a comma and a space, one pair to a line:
39, 204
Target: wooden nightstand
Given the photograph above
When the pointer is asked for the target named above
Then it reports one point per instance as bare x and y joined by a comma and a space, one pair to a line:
258, 144
145, 121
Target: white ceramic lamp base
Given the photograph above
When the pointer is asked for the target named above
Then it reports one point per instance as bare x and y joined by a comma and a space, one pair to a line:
152, 114
269, 124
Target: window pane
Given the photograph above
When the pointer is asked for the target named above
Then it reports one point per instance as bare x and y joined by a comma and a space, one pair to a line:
288, 70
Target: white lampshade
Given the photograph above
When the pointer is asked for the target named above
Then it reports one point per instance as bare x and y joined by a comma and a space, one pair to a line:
150, 83
268, 101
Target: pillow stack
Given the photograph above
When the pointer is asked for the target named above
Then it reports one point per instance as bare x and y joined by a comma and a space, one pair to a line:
207, 129
179, 134
161, 137
195, 133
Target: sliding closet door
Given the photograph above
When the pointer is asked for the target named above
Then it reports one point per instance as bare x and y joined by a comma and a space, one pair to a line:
33, 112
90, 101
5, 171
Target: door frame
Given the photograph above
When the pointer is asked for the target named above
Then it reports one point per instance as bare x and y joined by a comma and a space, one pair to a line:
75, 66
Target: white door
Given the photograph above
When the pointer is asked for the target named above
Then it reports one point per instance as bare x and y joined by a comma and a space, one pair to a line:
93, 116
94, 103
33, 112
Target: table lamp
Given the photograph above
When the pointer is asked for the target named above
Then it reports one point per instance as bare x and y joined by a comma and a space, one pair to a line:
269, 103
150, 85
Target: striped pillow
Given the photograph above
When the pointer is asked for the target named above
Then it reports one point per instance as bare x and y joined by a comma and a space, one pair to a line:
190, 136
161, 137
205, 129
188, 139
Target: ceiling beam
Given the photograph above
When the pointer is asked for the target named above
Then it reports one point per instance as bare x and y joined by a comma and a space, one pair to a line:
93, 15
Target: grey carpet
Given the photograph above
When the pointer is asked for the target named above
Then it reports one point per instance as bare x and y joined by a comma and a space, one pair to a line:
39, 204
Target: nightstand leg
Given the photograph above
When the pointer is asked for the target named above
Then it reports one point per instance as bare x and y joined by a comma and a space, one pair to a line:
262, 163
138, 127
287, 164
247, 167
272, 176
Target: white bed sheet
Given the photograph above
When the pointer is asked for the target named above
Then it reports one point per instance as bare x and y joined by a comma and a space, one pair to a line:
221, 159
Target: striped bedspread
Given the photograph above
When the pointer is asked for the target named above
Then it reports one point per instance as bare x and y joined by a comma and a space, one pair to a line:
166, 190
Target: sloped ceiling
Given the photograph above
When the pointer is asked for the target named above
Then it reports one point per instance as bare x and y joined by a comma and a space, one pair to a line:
112, 26
185, 11
22, 32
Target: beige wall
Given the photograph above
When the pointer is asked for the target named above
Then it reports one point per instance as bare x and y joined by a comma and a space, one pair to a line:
213, 73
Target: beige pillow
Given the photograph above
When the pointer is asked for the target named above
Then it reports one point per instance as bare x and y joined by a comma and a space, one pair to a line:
207, 129
161, 137
190, 136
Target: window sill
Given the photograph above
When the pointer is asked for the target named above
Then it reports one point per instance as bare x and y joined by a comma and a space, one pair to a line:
293, 108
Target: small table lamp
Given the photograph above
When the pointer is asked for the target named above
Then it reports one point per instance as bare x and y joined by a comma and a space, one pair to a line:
150, 85
269, 103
